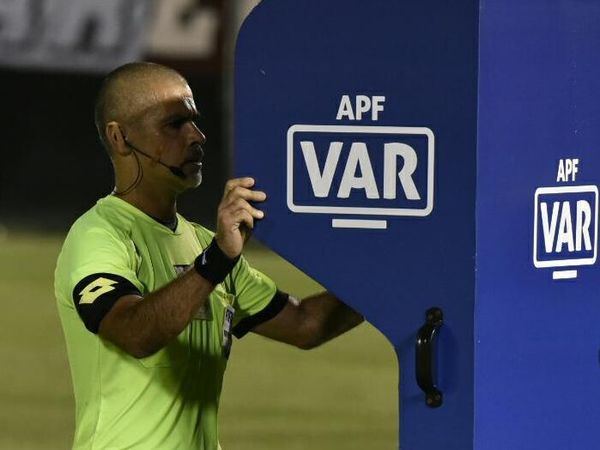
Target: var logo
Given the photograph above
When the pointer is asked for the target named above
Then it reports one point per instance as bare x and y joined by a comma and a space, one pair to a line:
565, 228
360, 170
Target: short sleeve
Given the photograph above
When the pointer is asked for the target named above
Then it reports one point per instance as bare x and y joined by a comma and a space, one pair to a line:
257, 297
95, 268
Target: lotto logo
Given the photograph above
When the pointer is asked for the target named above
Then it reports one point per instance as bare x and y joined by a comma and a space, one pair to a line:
360, 170
565, 228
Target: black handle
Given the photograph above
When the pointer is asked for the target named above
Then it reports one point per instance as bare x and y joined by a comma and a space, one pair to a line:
425, 357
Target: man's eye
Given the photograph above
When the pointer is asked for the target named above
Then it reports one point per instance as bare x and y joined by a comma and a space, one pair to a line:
178, 123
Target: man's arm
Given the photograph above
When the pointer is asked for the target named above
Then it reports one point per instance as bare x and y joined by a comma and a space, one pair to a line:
311, 322
142, 326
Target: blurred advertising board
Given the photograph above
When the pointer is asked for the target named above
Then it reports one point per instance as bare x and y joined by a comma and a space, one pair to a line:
96, 36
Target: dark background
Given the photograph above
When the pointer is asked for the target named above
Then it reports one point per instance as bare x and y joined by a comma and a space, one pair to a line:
53, 166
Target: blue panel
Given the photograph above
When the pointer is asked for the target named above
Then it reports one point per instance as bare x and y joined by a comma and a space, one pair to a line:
537, 374
295, 62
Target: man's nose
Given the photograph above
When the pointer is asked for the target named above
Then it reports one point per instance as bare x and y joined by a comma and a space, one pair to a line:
199, 136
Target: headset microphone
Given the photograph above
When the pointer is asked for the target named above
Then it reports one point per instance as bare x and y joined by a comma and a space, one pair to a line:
174, 169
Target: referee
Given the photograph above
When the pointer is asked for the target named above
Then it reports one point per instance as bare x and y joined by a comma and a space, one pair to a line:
149, 301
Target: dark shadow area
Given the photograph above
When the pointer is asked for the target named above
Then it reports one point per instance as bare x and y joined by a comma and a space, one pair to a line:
53, 167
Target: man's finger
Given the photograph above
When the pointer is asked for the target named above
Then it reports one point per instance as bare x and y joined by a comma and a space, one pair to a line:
246, 182
234, 205
244, 219
241, 204
246, 194
229, 216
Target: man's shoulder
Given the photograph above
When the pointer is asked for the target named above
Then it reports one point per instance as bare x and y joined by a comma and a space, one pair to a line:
96, 242
98, 229
97, 221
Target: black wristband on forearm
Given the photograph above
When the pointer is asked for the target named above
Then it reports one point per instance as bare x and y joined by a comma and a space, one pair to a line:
214, 265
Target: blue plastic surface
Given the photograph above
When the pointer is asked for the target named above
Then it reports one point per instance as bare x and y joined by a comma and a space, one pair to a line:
537, 371
487, 99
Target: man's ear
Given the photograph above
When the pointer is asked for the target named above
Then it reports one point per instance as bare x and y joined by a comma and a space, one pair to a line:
116, 138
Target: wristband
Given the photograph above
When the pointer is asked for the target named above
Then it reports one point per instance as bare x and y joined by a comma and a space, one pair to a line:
214, 265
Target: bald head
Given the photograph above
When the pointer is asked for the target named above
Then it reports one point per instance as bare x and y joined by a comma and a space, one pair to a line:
127, 91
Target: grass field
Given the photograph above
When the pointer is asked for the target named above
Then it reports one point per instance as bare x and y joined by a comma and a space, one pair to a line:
340, 396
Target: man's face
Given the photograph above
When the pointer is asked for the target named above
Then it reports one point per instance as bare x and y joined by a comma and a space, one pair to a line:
162, 124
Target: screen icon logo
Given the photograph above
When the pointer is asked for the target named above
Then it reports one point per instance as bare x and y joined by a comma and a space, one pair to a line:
565, 231
364, 171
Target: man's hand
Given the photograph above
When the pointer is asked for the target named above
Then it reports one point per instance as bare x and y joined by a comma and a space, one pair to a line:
236, 215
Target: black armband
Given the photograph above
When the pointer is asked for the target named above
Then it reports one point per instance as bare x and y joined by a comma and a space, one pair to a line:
95, 295
214, 265
274, 307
